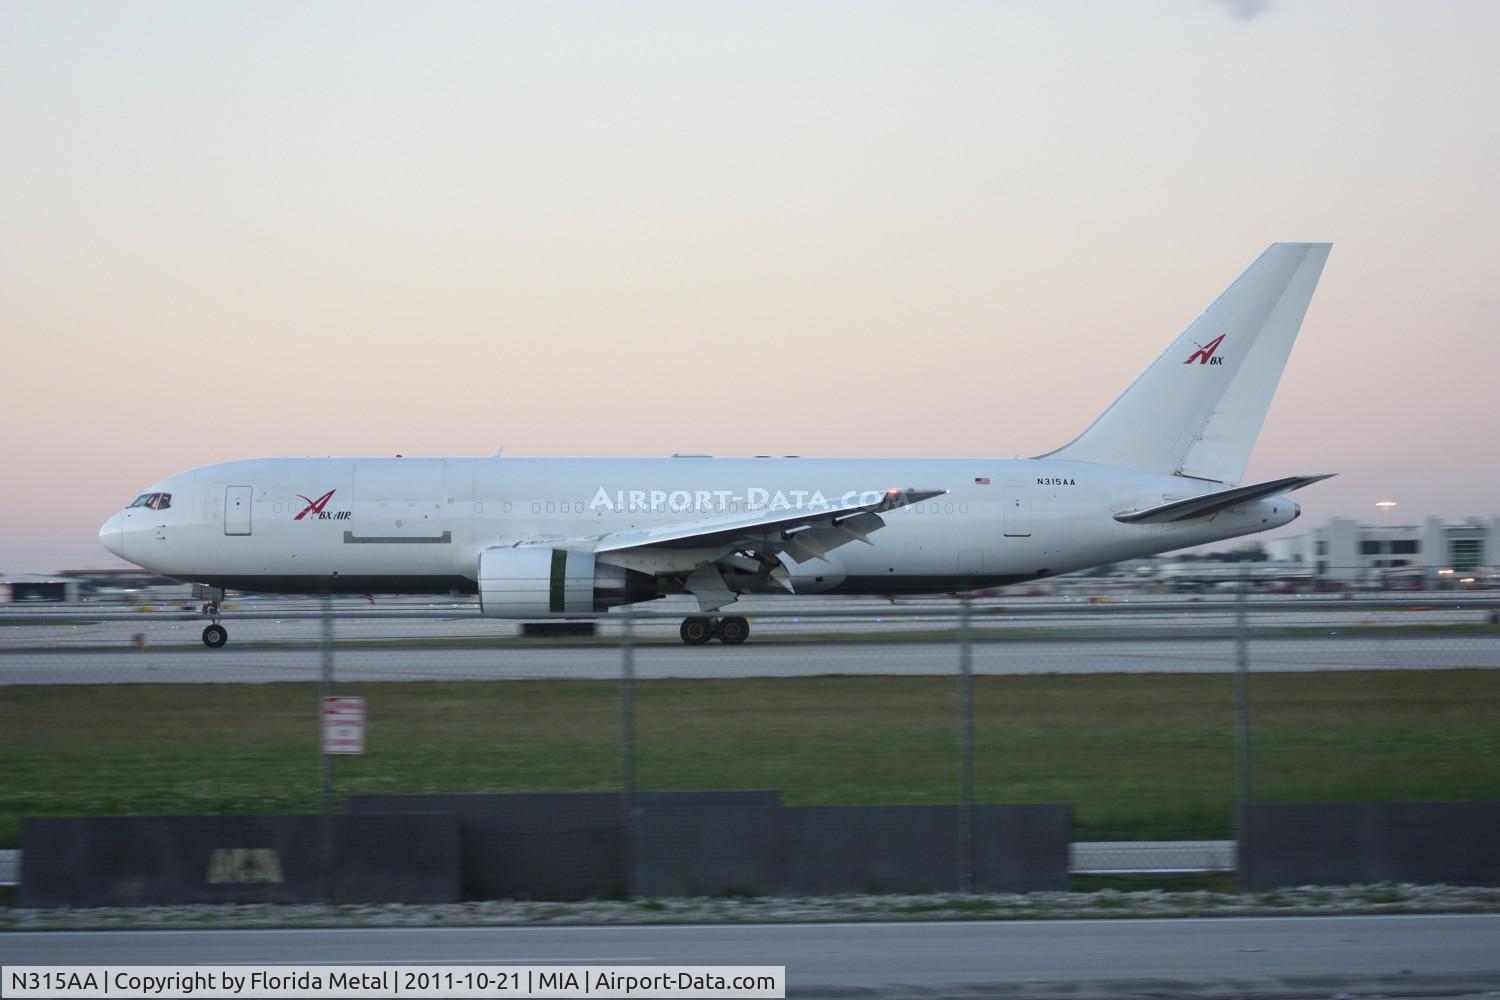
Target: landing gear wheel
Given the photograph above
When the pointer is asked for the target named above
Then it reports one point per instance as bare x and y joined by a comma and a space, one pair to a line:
733, 630
696, 631
215, 636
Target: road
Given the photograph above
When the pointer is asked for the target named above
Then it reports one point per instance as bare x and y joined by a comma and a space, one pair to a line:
1306, 957
189, 664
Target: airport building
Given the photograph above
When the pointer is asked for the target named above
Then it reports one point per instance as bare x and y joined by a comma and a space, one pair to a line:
1435, 553
35, 587
129, 586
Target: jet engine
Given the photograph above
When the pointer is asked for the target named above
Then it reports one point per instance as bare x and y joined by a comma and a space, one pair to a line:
532, 582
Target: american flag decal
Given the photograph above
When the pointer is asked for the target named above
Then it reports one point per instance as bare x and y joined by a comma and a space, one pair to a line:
981, 480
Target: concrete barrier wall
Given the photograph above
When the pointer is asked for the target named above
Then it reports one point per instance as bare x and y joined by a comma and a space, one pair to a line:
706, 849
838, 849
436, 848
1022, 848
1457, 843
547, 845
147, 860
832, 849
574, 845
526, 846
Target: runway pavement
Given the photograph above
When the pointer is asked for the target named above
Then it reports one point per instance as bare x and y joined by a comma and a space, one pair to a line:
80, 626
190, 664
1277, 956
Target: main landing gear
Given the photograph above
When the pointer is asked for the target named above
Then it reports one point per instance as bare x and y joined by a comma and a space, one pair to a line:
731, 631
215, 635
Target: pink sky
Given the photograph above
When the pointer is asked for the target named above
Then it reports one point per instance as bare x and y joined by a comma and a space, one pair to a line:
229, 231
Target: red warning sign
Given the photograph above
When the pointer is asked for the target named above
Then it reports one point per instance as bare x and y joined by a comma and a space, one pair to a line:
343, 724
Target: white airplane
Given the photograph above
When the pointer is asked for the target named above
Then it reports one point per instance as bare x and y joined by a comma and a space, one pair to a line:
552, 537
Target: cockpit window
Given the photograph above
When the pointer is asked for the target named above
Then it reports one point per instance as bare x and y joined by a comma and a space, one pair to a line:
155, 501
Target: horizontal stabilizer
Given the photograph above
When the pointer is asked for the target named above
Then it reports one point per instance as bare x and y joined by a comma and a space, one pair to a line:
1212, 503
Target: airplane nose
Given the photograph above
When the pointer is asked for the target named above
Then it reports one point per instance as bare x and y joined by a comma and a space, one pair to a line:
112, 535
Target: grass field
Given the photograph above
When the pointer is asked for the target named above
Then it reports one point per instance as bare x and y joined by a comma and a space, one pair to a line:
1145, 756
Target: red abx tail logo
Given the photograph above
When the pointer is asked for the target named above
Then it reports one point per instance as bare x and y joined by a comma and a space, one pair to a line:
1204, 355
315, 507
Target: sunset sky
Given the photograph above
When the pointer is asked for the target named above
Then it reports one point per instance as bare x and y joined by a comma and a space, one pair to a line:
233, 230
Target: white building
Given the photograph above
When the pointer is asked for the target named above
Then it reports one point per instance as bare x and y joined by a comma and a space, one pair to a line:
33, 587
1433, 553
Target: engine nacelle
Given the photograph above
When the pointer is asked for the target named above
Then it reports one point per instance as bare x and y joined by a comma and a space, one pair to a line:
533, 582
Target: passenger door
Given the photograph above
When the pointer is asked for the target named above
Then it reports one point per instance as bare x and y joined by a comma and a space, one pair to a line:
237, 501
1017, 511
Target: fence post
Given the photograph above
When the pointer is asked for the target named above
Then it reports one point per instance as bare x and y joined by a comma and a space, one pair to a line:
627, 750
965, 750
1242, 729
325, 821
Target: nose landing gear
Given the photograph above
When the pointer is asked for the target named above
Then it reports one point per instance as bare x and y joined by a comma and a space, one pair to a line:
731, 631
214, 635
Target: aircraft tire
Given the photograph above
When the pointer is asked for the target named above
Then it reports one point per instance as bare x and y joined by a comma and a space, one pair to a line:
733, 630
696, 631
215, 636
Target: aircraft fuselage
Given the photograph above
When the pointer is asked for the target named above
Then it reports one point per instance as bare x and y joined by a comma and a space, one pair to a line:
419, 525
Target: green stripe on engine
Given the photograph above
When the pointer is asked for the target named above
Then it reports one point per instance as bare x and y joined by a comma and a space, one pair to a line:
559, 574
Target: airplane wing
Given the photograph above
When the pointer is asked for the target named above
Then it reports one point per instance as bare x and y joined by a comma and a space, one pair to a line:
755, 541
1212, 503
851, 521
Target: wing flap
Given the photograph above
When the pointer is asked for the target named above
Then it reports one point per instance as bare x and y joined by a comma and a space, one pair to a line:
1212, 503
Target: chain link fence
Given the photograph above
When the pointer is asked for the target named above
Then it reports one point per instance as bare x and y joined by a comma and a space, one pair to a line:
1157, 717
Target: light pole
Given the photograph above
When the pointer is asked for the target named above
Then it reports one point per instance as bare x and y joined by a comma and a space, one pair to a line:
1389, 541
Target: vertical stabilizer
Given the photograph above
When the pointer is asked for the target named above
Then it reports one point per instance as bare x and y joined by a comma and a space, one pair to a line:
1198, 409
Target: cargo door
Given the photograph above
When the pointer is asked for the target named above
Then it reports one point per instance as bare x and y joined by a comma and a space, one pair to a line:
237, 501
399, 500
